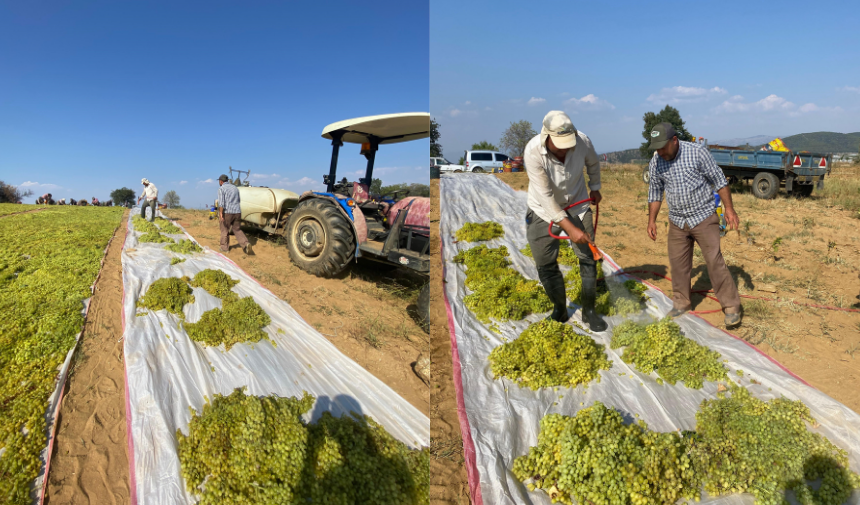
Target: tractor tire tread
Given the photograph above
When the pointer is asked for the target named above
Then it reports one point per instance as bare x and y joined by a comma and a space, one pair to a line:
339, 254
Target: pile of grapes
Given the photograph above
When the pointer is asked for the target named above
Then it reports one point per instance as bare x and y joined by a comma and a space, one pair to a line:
619, 300
171, 293
167, 226
741, 445
183, 246
660, 347
155, 237
238, 320
595, 458
48, 262
245, 449
479, 232
499, 291
142, 225
746, 445
174, 260
547, 354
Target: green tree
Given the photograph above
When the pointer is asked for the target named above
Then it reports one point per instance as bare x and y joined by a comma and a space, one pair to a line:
11, 194
435, 146
375, 187
406, 189
122, 195
484, 146
669, 114
171, 199
516, 137
462, 160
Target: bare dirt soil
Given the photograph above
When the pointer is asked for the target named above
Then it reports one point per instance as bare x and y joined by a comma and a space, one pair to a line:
90, 459
788, 249
368, 312
448, 481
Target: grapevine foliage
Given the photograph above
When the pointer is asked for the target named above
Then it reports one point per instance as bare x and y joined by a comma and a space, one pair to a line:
478, 232
594, 457
245, 449
660, 347
499, 291
549, 353
48, 262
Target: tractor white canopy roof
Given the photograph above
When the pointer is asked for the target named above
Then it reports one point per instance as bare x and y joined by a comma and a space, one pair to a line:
389, 128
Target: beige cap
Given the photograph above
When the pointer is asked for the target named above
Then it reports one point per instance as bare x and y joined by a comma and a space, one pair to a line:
556, 124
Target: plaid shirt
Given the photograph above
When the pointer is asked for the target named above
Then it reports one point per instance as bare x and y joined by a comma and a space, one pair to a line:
687, 181
228, 198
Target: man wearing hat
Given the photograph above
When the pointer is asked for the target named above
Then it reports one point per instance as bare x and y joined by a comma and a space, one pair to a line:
556, 161
686, 173
230, 215
150, 199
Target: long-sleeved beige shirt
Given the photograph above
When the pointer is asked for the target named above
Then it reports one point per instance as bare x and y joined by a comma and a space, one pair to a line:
554, 185
150, 192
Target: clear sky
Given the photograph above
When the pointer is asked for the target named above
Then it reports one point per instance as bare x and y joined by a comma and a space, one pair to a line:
96, 95
732, 69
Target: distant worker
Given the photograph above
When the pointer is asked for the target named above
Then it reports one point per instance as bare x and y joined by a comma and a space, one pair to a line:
72, 201
95, 201
686, 172
150, 199
230, 215
82, 202
62, 201
556, 161
45, 199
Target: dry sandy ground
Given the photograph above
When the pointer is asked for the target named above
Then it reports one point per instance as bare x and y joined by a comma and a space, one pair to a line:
90, 460
816, 262
366, 313
448, 482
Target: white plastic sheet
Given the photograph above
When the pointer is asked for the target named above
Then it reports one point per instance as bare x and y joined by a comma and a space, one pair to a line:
503, 419
166, 372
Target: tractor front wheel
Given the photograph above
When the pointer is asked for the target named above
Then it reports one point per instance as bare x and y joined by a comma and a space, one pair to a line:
320, 238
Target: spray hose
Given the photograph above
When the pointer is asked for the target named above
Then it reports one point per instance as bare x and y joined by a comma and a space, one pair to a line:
594, 251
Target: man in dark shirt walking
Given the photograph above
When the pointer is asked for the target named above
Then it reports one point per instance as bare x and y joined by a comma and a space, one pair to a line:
686, 172
230, 215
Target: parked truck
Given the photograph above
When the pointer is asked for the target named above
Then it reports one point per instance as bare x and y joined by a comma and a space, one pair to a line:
800, 172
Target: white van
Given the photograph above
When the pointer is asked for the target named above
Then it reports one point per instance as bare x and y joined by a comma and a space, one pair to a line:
445, 165
484, 161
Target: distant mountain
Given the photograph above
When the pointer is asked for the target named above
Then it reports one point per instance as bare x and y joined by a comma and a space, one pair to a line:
824, 142
753, 141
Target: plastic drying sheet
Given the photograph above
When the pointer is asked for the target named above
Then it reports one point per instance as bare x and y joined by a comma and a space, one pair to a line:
500, 420
166, 372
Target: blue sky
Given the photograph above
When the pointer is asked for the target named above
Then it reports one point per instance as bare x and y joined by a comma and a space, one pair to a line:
96, 95
733, 69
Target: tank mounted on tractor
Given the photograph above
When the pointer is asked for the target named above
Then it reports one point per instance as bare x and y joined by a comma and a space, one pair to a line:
326, 231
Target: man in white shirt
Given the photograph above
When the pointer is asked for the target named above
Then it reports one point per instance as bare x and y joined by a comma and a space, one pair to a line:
150, 199
556, 161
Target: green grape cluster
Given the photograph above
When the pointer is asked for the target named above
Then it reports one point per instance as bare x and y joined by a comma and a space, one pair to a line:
595, 458
215, 282
171, 293
747, 445
239, 320
167, 226
155, 238
183, 246
621, 301
499, 291
246, 450
549, 353
48, 263
566, 254
478, 232
143, 226
175, 260
660, 347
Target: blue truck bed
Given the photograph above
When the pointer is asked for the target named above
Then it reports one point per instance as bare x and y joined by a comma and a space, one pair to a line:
769, 169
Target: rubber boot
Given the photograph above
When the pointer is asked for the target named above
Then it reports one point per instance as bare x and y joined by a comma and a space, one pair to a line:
588, 273
553, 283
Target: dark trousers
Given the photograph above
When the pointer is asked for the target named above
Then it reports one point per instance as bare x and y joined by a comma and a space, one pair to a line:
545, 248
231, 223
153, 205
707, 235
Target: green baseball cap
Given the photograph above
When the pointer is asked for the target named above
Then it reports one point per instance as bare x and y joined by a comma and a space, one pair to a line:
660, 135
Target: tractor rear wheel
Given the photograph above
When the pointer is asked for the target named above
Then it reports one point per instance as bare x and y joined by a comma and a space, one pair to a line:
646, 175
320, 238
765, 185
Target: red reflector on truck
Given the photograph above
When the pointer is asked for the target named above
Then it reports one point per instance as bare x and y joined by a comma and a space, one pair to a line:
796, 160
823, 163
